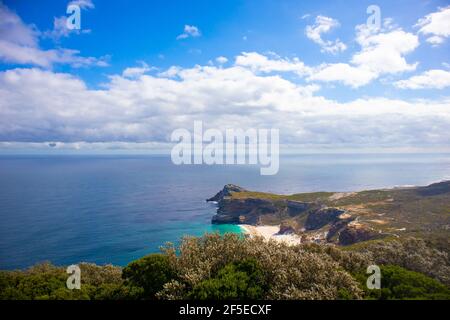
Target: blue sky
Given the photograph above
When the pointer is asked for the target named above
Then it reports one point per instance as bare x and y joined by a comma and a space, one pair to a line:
326, 64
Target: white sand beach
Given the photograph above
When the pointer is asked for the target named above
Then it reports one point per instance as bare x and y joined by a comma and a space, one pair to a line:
270, 232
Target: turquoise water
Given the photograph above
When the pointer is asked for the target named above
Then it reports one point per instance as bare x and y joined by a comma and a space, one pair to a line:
114, 209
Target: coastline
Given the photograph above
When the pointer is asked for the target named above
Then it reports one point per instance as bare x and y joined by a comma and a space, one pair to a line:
270, 233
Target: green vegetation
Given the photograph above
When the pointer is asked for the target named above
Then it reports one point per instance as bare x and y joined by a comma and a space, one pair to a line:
308, 197
45, 281
237, 280
400, 283
233, 267
149, 273
398, 213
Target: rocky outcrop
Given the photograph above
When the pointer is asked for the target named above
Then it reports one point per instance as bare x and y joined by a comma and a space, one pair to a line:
337, 227
295, 208
246, 211
226, 192
321, 217
343, 220
286, 228
249, 210
356, 233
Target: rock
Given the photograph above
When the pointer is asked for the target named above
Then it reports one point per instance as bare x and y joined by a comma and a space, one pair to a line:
337, 227
224, 219
247, 211
286, 229
226, 192
357, 233
321, 217
294, 208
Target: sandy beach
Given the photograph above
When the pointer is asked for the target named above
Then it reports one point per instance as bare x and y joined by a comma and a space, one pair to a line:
270, 232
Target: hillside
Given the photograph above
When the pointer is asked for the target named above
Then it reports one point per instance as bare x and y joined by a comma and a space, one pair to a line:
344, 218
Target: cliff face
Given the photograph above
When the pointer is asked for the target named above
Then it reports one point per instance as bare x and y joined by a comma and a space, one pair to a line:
344, 218
321, 217
293, 216
252, 210
243, 211
351, 234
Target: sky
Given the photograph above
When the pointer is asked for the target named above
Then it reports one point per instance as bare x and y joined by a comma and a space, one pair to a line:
330, 75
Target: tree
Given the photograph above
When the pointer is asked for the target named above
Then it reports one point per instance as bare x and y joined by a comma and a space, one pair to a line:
239, 280
149, 273
400, 283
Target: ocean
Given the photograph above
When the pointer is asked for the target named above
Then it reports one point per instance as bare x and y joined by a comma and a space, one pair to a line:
114, 209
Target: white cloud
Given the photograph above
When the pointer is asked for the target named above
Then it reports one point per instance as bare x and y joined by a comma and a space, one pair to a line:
60, 29
381, 53
431, 79
260, 63
436, 25
189, 31
384, 53
324, 25
221, 60
83, 4
344, 73
172, 72
435, 40
134, 72
19, 44
42, 106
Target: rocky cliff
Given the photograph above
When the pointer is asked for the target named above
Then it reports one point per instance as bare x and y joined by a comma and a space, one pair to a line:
344, 218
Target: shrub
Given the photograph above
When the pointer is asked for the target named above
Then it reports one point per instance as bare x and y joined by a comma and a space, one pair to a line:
149, 273
48, 282
290, 272
239, 280
400, 283
412, 254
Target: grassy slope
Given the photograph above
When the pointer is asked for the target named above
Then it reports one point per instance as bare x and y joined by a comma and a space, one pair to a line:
421, 211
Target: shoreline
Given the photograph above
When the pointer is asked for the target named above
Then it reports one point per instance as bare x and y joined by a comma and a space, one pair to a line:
270, 233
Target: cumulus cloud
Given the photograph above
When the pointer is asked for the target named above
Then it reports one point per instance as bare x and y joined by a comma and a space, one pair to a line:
134, 72
382, 52
321, 26
431, 79
385, 52
19, 44
344, 73
436, 26
189, 31
221, 60
261, 63
41, 106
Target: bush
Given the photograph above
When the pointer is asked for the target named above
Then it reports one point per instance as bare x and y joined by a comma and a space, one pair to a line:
239, 280
400, 283
48, 282
235, 267
149, 273
289, 272
412, 254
